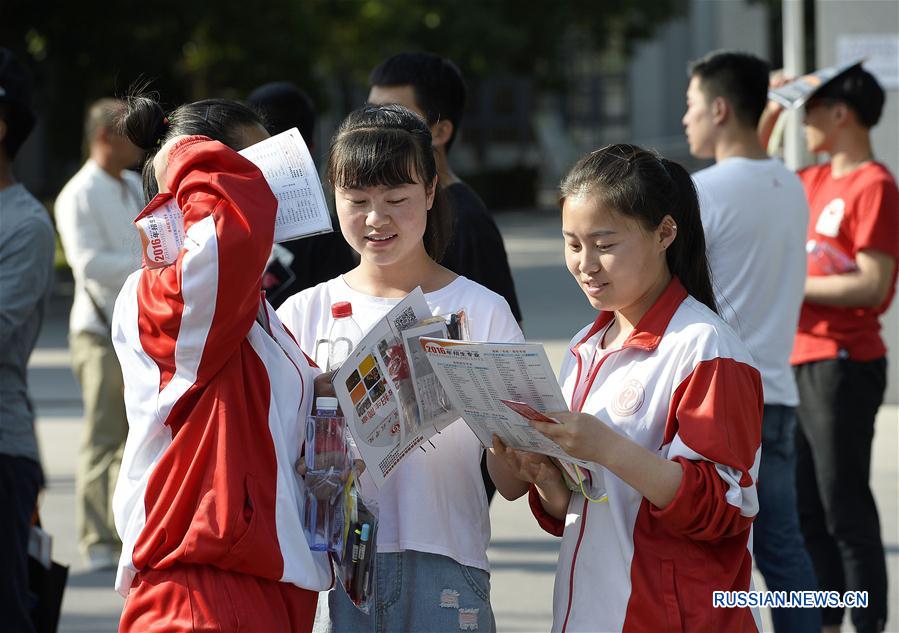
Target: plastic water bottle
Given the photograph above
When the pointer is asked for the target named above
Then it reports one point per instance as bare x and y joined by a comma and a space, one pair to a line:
327, 468
343, 336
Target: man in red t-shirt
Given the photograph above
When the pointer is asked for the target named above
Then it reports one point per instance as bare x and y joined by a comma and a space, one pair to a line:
838, 355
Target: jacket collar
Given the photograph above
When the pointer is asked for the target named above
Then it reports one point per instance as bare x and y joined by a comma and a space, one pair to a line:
652, 325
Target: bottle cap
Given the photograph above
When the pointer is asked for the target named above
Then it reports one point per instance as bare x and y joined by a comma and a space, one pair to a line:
342, 309
326, 403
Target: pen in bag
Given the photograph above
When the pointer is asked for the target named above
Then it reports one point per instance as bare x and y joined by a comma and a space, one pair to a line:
361, 569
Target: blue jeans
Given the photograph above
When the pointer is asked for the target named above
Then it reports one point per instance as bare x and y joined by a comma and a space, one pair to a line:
778, 545
417, 591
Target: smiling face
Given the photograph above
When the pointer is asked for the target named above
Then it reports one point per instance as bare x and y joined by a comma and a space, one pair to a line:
698, 122
619, 265
385, 225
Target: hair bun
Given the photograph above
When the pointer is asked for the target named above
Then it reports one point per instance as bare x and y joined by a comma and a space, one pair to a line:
145, 122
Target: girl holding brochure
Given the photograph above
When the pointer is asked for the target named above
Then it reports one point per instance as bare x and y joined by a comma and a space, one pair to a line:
664, 399
207, 502
431, 567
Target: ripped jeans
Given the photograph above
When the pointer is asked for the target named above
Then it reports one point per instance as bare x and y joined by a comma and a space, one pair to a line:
418, 591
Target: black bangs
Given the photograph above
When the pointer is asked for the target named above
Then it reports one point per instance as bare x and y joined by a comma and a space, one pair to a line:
369, 157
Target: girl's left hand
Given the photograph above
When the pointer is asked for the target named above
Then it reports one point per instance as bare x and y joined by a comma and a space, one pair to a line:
580, 435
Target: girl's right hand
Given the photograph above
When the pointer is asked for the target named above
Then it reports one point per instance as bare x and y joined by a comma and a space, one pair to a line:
532, 468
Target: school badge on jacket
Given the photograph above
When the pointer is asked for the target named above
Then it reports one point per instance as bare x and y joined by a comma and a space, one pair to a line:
629, 399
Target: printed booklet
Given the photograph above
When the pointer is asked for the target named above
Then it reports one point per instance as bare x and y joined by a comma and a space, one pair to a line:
412, 375
497, 387
387, 390
794, 94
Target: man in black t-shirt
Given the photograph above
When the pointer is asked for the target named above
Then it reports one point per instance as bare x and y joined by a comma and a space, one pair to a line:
303, 263
433, 87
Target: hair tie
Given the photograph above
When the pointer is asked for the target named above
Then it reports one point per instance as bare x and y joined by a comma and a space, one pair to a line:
162, 130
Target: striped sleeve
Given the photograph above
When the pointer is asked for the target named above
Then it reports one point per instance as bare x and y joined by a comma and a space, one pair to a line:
714, 433
214, 286
545, 520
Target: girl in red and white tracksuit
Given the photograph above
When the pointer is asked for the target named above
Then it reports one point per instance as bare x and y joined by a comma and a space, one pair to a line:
207, 503
666, 402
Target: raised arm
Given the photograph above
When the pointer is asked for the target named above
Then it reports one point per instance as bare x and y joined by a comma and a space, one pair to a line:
207, 300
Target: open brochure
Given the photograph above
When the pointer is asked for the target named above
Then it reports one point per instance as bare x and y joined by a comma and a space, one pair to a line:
794, 94
285, 162
479, 377
392, 401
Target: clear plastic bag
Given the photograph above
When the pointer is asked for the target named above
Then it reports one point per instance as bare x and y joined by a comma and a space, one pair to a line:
355, 562
327, 471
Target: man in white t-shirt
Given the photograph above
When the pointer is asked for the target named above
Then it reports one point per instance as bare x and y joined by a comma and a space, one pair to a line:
755, 215
94, 214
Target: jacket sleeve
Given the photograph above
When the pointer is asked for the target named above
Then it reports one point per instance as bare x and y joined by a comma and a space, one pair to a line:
195, 313
545, 520
714, 433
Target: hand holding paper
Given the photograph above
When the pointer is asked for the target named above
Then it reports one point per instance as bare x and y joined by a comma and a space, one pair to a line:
580, 435
528, 467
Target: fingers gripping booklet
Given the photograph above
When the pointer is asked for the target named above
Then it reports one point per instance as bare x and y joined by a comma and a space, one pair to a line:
407, 380
287, 166
497, 387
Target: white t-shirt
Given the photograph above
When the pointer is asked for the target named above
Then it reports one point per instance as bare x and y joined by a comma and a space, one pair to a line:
755, 217
95, 218
435, 501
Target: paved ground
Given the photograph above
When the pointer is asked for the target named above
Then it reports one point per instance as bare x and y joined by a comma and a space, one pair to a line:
523, 558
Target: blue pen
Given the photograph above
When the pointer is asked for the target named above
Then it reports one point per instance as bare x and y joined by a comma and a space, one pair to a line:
361, 568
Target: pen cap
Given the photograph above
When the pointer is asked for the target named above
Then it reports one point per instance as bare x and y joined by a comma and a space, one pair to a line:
366, 532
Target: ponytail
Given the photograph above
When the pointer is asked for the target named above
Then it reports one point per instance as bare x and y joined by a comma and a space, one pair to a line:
642, 185
686, 255
148, 126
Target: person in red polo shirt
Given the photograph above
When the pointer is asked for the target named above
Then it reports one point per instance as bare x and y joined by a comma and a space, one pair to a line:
838, 355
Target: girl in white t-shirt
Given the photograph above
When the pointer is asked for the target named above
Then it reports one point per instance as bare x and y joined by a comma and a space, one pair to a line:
431, 571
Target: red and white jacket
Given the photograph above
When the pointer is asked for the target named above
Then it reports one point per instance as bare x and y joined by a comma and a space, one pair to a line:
216, 390
684, 386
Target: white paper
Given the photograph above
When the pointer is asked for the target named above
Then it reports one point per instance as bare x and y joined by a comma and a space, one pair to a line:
476, 376
285, 162
433, 403
40, 546
794, 94
162, 235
